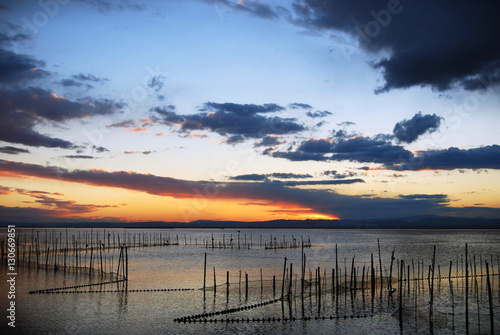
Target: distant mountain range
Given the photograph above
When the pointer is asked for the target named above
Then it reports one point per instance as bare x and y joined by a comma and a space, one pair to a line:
413, 222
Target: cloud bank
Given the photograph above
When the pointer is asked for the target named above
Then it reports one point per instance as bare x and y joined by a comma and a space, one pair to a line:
326, 202
237, 122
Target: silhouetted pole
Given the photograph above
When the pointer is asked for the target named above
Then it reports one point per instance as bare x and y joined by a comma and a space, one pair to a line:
246, 285
390, 271
215, 283
283, 281
490, 298
400, 284
352, 273
126, 263
431, 309
380, 263
372, 277
466, 290
336, 271
205, 274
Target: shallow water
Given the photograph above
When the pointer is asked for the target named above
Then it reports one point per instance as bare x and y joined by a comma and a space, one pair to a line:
182, 267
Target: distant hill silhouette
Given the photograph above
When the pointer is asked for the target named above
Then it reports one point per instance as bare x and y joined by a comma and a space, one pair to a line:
412, 222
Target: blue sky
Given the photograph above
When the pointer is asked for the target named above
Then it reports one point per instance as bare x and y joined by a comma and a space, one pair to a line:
337, 106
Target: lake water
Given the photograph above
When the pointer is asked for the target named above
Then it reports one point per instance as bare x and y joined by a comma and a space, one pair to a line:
178, 270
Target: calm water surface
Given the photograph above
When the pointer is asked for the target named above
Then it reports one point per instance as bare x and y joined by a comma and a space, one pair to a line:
182, 267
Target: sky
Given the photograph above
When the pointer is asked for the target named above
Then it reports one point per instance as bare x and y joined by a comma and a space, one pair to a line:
184, 110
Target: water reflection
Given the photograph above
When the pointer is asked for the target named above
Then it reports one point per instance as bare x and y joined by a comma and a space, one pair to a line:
322, 288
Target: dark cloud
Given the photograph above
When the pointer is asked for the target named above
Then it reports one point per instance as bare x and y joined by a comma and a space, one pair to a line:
335, 174
321, 182
430, 43
122, 124
250, 177
240, 109
105, 7
409, 130
49, 215
269, 141
298, 105
317, 114
12, 37
13, 150
438, 44
18, 127
282, 175
52, 207
89, 78
254, 7
297, 156
233, 139
265, 177
72, 82
487, 157
157, 83
21, 110
236, 121
343, 134
258, 8
393, 157
99, 149
359, 149
16, 69
5, 190
167, 114
79, 80
321, 201
79, 156
442, 197
45, 104
346, 123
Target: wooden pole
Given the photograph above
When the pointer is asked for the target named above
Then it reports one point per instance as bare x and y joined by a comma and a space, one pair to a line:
246, 285
490, 298
363, 280
352, 273
466, 289
283, 281
380, 264
319, 287
390, 270
205, 274
373, 277
100, 256
400, 284
215, 283
336, 271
